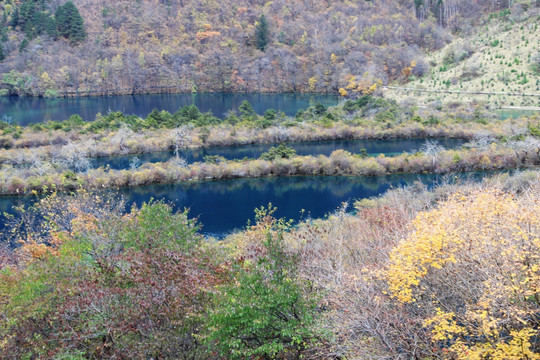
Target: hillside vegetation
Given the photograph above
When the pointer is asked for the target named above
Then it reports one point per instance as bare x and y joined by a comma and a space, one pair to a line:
502, 55
209, 45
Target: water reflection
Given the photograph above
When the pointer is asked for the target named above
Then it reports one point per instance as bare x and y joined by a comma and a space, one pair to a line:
225, 205
28, 110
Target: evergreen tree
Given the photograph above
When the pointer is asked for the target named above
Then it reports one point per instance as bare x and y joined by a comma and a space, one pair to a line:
27, 12
61, 20
14, 18
40, 23
51, 29
262, 34
2, 55
23, 45
70, 23
42, 4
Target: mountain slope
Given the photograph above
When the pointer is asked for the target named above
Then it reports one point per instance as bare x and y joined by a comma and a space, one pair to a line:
209, 45
501, 57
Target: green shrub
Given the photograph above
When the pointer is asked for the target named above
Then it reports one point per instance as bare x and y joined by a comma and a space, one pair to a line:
214, 159
282, 151
122, 287
267, 311
50, 93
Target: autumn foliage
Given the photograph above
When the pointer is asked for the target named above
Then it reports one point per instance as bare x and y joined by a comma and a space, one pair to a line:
473, 265
451, 273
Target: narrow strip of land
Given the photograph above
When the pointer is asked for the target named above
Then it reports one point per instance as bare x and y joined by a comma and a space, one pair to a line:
458, 91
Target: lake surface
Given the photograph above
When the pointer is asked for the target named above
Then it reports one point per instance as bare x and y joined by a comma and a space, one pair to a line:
224, 205
373, 147
28, 110
514, 113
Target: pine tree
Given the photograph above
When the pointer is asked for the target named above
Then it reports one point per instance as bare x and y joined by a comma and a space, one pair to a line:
77, 32
262, 34
27, 14
40, 23
61, 20
14, 18
51, 29
2, 55
23, 45
70, 23
41, 4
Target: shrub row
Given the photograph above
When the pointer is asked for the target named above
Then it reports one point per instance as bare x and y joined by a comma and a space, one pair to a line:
340, 162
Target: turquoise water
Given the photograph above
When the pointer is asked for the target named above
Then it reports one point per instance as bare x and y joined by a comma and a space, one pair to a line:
514, 113
28, 110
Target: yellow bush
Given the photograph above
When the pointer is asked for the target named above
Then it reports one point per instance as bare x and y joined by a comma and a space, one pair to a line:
476, 257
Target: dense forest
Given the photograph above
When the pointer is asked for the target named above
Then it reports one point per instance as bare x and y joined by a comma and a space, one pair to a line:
208, 45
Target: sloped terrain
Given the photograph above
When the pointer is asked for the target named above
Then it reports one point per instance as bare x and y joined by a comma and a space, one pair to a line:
501, 56
209, 45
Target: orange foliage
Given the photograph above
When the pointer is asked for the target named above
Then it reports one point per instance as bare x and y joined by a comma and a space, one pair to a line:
203, 35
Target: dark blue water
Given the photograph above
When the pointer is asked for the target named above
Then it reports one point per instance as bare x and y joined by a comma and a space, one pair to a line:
373, 147
28, 110
225, 205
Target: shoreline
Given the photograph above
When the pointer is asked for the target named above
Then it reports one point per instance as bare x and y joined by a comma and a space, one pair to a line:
339, 163
149, 91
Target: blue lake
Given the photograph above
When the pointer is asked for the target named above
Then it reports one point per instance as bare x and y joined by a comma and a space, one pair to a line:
28, 110
373, 147
225, 205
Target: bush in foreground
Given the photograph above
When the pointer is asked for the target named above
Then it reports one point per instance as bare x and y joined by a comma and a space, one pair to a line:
113, 286
268, 311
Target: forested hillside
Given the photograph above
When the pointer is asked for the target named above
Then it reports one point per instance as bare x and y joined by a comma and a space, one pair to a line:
226, 45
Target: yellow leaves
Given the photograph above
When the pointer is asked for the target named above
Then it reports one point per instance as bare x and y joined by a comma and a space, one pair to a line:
47, 79
343, 92
365, 86
303, 38
479, 241
333, 59
117, 63
204, 35
441, 236
141, 60
444, 325
312, 82
34, 251
517, 348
